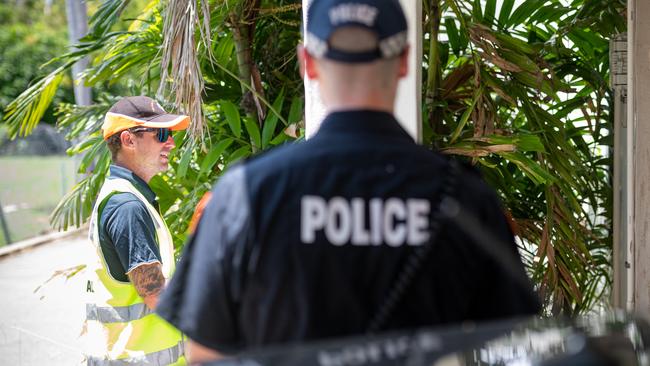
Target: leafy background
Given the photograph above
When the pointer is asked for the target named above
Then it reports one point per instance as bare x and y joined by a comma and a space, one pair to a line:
27, 41
518, 88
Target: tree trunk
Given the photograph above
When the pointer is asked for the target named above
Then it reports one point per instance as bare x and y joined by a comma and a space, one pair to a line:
77, 28
433, 72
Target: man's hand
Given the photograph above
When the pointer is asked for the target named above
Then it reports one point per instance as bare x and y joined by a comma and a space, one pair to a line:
148, 281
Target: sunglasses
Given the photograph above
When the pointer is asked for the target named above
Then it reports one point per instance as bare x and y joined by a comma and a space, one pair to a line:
162, 134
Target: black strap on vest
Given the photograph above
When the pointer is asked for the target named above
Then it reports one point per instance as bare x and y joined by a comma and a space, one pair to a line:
418, 256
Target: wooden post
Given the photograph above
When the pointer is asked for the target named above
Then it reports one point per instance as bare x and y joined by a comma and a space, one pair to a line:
639, 117
5, 227
618, 81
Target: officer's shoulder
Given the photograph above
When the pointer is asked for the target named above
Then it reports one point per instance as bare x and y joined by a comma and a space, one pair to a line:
272, 161
263, 165
472, 186
470, 178
256, 165
467, 168
275, 154
464, 165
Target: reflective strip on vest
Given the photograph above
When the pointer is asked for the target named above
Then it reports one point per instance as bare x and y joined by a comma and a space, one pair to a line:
121, 329
163, 357
116, 314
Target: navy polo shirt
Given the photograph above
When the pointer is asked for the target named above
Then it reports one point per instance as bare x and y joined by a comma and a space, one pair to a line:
305, 242
127, 234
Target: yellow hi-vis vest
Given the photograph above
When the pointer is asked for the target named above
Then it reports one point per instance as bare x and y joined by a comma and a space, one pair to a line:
119, 328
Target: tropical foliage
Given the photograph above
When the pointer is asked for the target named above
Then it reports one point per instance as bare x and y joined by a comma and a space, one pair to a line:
246, 105
28, 39
523, 91
517, 87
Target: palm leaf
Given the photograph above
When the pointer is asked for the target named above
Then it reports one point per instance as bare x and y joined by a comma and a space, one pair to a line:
184, 81
25, 112
105, 17
76, 206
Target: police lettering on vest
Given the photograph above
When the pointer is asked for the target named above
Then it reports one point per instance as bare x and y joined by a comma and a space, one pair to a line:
357, 221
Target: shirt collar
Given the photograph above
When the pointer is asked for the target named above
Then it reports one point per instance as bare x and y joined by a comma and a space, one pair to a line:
362, 122
116, 171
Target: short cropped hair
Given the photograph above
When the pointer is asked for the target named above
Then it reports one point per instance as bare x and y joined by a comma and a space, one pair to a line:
359, 39
114, 144
354, 39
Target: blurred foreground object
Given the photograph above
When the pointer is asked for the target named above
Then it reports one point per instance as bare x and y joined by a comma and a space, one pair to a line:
611, 339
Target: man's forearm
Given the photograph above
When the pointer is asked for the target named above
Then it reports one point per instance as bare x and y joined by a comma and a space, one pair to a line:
148, 281
197, 353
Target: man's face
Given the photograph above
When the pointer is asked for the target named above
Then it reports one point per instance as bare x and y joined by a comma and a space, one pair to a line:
152, 155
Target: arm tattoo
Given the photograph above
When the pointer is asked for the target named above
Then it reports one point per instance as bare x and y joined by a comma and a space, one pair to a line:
147, 279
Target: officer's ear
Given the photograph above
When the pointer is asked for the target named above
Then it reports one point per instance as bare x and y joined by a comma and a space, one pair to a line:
404, 62
307, 63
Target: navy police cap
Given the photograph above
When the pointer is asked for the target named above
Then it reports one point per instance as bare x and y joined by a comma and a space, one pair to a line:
383, 17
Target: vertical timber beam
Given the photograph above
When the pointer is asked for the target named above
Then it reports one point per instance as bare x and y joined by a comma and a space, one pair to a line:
618, 81
408, 105
639, 41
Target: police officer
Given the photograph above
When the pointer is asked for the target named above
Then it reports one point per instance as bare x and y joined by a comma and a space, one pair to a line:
307, 241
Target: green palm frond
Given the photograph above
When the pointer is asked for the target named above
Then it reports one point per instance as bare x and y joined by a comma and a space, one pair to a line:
76, 206
533, 67
25, 112
124, 53
105, 17
78, 120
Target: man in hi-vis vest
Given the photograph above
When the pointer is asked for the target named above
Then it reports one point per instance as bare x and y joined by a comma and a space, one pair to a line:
134, 246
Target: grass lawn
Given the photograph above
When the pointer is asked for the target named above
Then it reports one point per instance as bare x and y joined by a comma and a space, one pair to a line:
30, 188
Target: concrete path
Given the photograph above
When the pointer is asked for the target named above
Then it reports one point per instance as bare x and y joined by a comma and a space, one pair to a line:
42, 327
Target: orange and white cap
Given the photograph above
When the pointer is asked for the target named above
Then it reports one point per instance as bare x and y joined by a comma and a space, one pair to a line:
140, 111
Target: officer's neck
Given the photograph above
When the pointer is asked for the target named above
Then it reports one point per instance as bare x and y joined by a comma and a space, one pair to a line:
357, 107
336, 99
341, 105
